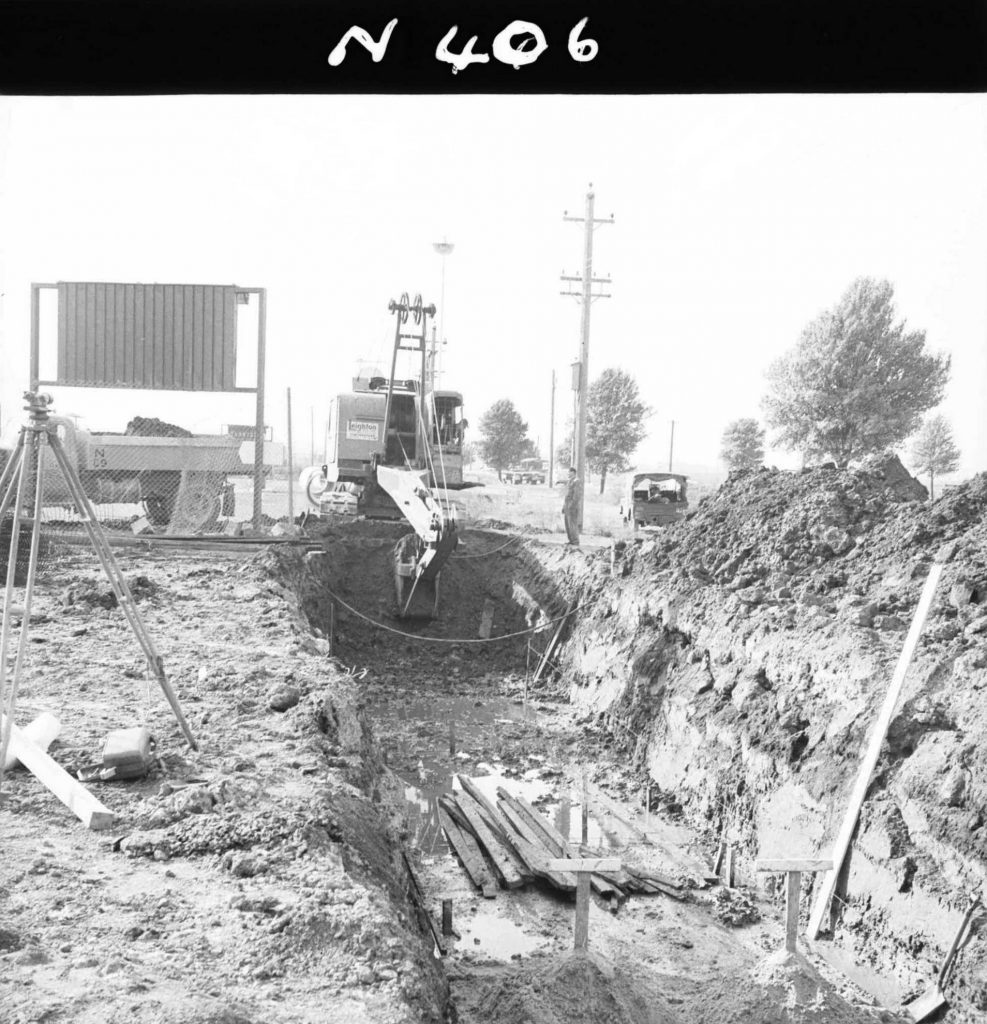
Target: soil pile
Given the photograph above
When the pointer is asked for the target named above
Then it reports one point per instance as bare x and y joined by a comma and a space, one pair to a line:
783, 989
742, 656
573, 989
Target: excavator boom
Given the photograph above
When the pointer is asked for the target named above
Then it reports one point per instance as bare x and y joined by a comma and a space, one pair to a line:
402, 471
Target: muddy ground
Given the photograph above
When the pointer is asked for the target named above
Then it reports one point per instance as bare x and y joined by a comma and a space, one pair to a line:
261, 878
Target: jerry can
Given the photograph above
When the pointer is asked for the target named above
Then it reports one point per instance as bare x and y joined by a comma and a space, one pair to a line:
128, 753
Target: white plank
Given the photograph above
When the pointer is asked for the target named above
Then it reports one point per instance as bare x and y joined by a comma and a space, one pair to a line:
583, 864
793, 864
842, 844
53, 776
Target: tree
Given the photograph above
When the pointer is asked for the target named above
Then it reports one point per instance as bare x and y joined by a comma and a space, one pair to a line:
934, 450
857, 382
743, 444
503, 436
615, 418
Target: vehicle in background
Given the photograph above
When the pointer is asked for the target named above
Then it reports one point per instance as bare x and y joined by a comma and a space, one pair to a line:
655, 499
527, 471
180, 479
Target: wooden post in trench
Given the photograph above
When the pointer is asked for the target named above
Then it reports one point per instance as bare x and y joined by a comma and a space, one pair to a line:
583, 868
792, 870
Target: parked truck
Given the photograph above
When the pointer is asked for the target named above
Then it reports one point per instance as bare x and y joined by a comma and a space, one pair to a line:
655, 499
181, 480
527, 471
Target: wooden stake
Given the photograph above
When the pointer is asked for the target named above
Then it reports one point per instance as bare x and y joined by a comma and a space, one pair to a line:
792, 889
581, 928
447, 917
585, 810
452, 739
583, 868
792, 868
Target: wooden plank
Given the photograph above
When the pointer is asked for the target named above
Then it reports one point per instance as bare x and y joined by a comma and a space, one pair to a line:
503, 860
535, 860
418, 898
792, 864
792, 890
486, 620
524, 827
665, 890
494, 818
469, 855
880, 731
554, 839
93, 814
590, 864
551, 645
602, 800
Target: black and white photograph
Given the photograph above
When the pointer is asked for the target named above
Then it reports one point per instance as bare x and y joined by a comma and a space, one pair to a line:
492, 546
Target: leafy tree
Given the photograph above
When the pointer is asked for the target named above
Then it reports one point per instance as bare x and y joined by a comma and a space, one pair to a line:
934, 450
743, 444
503, 436
857, 382
614, 422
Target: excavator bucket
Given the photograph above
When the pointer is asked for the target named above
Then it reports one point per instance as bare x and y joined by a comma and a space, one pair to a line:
416, 574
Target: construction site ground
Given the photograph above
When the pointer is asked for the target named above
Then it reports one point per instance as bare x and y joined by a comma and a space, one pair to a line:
260, 878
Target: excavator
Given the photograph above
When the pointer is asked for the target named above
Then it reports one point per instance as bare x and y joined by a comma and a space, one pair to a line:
392, 442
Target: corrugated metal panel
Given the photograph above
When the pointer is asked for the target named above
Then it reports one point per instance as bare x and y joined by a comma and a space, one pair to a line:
169, 336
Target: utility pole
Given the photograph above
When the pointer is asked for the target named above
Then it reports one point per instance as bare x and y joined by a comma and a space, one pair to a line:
551, 438
586, 296
671, 443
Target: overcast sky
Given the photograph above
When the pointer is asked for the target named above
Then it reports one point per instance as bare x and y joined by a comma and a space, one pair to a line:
738, 219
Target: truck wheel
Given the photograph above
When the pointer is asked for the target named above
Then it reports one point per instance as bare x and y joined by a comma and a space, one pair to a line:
158, 491
198, 503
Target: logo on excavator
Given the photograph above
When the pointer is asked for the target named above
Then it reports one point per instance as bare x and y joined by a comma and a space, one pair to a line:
361, 430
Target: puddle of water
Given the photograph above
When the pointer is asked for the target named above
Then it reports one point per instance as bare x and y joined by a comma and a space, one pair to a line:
423, 730
489, 933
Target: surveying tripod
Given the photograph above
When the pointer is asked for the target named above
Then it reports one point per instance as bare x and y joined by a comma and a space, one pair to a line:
21, 484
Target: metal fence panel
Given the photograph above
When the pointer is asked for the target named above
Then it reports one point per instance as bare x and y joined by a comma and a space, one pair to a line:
162, 336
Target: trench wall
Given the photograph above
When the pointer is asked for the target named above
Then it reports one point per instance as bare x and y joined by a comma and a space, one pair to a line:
745, 686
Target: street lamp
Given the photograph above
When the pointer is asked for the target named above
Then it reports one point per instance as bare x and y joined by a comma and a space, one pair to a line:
443, 248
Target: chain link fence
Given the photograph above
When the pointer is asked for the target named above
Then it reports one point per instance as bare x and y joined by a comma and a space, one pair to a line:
158, 478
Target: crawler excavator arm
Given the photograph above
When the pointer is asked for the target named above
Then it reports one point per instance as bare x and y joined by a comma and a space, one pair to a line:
418, 556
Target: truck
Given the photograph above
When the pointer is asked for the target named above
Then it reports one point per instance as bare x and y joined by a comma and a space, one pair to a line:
655, 500
527, 471
181, 480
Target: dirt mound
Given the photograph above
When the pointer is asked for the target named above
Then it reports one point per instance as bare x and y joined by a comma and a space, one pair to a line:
783, 989
151, 426
573, 989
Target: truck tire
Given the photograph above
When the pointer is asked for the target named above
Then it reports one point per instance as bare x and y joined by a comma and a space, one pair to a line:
158, 492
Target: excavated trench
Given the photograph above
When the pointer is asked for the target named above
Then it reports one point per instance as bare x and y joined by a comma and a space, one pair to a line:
737, 679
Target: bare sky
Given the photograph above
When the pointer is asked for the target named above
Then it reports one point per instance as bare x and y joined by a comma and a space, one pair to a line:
738, 219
